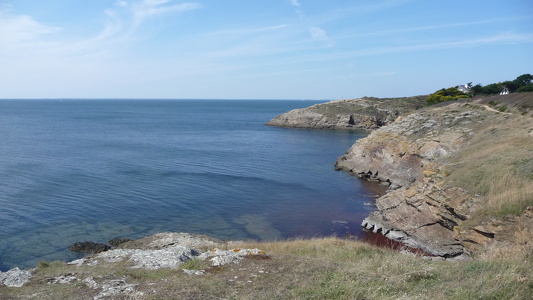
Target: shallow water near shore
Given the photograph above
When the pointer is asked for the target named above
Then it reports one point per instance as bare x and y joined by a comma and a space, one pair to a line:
80, 170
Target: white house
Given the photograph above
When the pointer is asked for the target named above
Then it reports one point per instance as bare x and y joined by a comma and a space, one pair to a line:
465, 88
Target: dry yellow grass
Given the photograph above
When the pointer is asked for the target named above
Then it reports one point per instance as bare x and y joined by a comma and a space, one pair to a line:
498, 165
325, 268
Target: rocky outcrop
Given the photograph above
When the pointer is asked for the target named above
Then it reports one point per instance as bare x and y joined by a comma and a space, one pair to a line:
398, 153
169, 250
355, 114
15, 277
423, 216
88, 247
424, 208
166, 250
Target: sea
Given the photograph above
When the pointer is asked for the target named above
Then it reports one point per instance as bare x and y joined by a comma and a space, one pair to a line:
74, 170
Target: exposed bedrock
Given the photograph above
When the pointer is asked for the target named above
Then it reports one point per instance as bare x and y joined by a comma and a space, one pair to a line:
423, 209
399, 153
354, 114
423, 216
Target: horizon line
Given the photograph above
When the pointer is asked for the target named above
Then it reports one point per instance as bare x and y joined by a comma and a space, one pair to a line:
195, 99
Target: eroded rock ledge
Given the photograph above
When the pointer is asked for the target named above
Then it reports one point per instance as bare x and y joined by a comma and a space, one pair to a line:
167, 250
422, 208
355, 114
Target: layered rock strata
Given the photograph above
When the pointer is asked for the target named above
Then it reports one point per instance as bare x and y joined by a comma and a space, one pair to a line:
355, 114
423, 209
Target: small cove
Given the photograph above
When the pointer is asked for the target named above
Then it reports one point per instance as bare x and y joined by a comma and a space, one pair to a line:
77, 170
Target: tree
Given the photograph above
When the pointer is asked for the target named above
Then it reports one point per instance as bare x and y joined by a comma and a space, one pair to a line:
476, 89
491, 89
523, 80
526, 88
446, 95
510, 85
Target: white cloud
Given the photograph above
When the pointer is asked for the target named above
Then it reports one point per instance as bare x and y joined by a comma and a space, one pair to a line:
121, 3
296, 3
18, 30
23, 38
318, 33
150, 8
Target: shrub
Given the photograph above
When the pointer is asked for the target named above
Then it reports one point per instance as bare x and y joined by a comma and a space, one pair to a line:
448, 94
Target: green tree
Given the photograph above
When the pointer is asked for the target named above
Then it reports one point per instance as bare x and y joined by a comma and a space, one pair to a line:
448, 94
476, 89
491, 89
523, 80
510, 85
526, 88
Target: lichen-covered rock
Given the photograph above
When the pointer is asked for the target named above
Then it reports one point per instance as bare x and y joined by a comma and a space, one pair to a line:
220, 257
15, 277
354, 114
113, 287
166, 239
168, 258
169, 250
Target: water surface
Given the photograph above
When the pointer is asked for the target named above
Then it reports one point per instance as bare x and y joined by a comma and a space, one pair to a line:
77, 170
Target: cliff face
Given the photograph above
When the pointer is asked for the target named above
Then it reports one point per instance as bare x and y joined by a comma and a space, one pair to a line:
364, 113
432, 204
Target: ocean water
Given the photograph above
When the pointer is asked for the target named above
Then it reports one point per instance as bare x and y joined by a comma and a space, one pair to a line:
93, 170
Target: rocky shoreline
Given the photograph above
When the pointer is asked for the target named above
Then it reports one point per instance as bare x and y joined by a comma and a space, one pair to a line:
424, 208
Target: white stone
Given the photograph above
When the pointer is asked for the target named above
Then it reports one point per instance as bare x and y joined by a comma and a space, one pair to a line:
15, 277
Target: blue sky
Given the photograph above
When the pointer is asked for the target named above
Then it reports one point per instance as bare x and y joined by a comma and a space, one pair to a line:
261, 49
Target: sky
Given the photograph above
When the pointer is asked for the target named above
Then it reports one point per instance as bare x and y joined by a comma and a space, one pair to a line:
260, 49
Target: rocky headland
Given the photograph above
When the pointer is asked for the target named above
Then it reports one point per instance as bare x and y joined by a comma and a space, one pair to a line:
352, 114
450, 168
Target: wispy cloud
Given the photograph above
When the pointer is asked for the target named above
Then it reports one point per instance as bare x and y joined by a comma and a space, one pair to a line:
318, 33
248, 31
151, 8
497, 39
123, 20
20, 30
296, 3
430, 27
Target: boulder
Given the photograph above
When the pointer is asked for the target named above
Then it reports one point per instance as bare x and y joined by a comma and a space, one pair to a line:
117, 241
89, 247
15, 277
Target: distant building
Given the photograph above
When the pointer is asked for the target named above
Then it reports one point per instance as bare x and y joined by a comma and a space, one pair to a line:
465, 88
505, 91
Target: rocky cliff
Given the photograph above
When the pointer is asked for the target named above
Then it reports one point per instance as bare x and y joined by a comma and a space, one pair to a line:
450, 169
361, 114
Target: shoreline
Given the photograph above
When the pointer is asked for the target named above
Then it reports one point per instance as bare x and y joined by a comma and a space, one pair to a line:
428, 205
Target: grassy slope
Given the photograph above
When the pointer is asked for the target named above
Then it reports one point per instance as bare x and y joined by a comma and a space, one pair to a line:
326, 268
498, 162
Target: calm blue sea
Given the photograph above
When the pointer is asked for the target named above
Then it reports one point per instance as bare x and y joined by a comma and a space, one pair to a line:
93, 170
